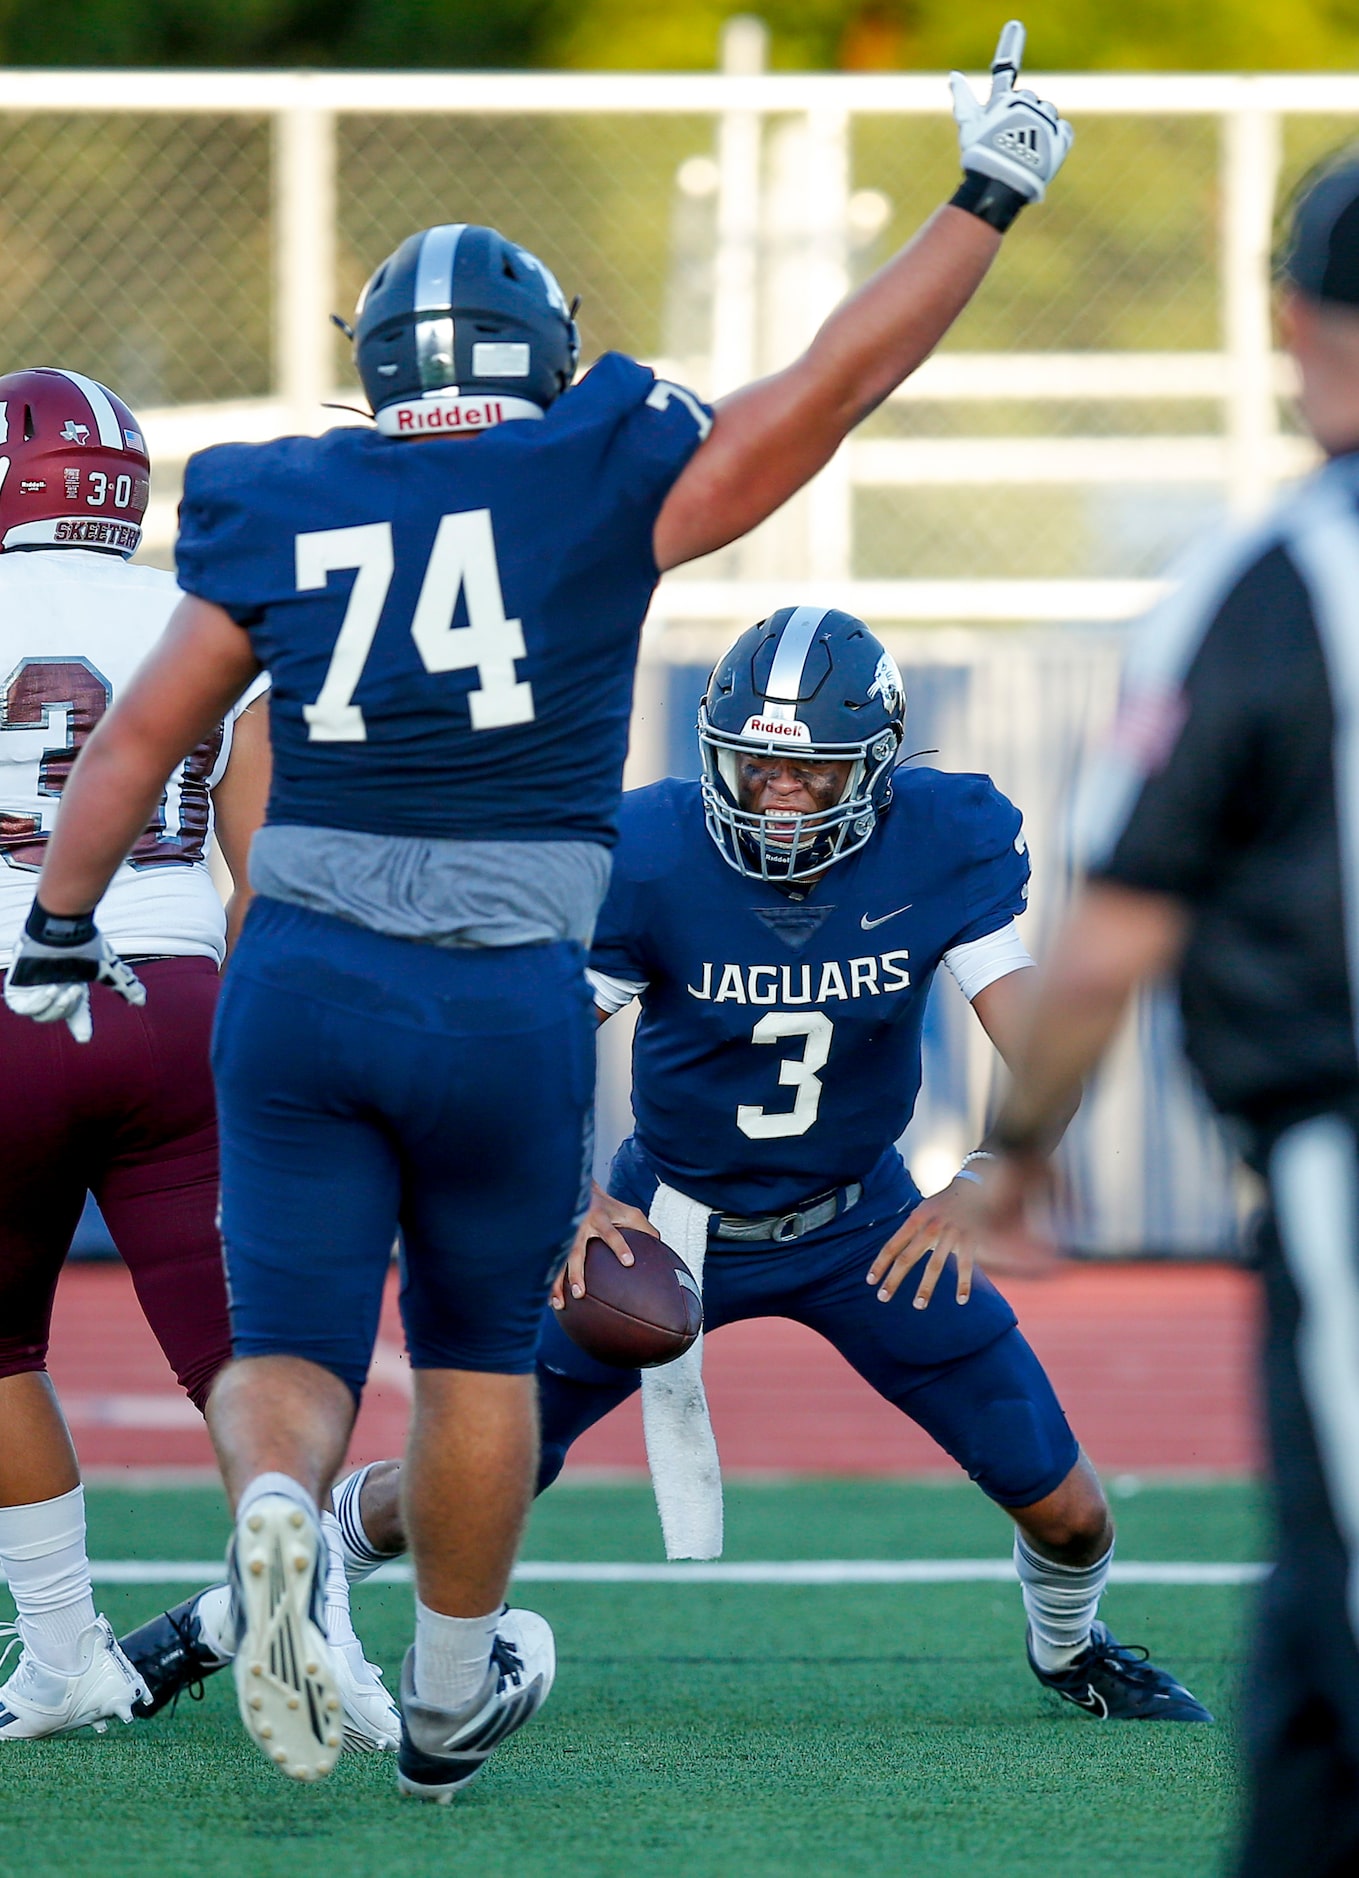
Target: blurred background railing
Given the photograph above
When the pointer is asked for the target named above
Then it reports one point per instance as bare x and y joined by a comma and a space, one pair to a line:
1112, 393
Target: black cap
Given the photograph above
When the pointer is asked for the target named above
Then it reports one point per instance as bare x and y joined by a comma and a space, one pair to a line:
1322, 256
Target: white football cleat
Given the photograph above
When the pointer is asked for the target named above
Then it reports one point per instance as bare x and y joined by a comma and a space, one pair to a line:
443, 1750
372, 1721
38, 1700
286, 1685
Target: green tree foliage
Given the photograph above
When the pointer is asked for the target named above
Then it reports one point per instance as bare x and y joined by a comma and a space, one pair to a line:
618, 34
932, 35
406, 34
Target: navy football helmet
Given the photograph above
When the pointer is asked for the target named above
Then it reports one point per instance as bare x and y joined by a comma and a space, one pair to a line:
807, 682
460, 311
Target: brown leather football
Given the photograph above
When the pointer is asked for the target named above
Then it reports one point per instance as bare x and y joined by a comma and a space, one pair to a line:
634, 1316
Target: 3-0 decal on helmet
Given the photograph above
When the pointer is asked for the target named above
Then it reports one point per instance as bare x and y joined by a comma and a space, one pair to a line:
73, 467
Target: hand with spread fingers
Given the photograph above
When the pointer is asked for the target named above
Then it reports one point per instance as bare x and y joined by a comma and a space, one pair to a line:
1015, 138
54, 965
960, 1223
602, 1220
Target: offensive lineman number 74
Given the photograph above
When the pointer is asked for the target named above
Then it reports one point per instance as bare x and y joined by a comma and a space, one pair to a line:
462, 560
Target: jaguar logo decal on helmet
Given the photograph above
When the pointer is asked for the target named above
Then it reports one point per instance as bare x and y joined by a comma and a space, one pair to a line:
887, 684
816, 679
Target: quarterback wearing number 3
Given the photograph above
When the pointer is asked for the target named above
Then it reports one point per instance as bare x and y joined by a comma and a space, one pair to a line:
448, 604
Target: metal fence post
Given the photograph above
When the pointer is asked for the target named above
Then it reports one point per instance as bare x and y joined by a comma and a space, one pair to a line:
830, 499
735, 269
1250, 173
304, 258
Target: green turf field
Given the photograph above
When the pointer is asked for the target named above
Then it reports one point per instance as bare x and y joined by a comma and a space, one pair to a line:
705, 1731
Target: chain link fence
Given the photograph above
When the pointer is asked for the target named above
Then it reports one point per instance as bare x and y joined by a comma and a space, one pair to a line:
1110, 394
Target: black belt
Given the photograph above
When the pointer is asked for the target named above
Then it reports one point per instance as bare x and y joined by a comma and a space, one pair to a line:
782, 1228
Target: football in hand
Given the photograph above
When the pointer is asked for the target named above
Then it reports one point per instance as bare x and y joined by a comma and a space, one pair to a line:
634, 1316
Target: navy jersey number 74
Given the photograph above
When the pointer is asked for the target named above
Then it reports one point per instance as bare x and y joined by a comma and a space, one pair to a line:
450, 623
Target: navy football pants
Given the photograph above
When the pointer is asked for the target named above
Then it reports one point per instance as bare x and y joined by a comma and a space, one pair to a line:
369, 1085
963, 1373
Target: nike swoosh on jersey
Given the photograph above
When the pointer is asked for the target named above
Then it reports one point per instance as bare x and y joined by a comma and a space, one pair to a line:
868, 924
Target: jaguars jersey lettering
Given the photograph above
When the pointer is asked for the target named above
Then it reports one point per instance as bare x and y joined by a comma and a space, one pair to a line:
778, 1048
450, 623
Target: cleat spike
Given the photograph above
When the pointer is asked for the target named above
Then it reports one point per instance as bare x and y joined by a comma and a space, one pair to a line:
255, 1523
257, 1700
266, 1732
256, 1566
295, 1520
280, 1757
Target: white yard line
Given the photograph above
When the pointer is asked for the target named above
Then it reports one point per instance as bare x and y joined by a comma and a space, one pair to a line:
958, 1571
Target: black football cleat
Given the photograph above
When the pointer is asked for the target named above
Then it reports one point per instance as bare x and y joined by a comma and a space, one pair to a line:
171, 1654
1113, 1681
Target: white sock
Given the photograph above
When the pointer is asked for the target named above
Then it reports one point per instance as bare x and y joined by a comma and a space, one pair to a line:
452, 1655
42, 1555
282, 1484
361, 1556
339, 1620
1060, 1602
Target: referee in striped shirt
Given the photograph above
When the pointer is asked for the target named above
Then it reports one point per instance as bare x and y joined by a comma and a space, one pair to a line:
1224, 832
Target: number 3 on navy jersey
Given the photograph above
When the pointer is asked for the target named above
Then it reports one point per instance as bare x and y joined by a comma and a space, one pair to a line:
461, 560
795, 1072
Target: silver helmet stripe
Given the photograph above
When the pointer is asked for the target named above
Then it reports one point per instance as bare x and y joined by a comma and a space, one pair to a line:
434, 294
434, 267
795, 642
110, 430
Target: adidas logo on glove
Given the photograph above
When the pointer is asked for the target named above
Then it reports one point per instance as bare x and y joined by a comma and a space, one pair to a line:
1021, 143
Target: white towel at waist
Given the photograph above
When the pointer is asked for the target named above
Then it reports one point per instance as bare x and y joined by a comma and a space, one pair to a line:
680, 1447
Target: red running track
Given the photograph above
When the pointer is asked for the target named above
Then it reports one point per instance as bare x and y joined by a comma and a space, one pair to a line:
1153, 1364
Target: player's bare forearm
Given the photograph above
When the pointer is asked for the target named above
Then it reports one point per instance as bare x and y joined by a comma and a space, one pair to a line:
200, 666
1114, 939
239, 802
1005, 1010
770, 438
881, 334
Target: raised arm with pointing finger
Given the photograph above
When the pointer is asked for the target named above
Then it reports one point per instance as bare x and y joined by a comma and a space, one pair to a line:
771, 437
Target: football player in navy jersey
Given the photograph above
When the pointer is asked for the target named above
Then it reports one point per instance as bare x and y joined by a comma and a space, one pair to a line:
781, 921
449, 607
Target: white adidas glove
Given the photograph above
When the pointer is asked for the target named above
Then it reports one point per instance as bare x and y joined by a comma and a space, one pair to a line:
54, 965
1014, 138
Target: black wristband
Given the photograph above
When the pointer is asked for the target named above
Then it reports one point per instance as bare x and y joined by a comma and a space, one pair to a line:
990, 201
59, 929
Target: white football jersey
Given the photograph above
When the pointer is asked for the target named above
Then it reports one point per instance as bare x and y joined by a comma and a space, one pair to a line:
74, 626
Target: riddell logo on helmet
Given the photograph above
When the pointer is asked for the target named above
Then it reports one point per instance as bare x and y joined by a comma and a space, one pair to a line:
776, 727
94, 534
462, 416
